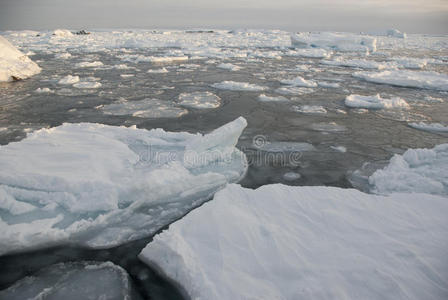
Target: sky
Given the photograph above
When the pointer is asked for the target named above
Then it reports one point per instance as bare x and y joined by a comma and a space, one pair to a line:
412, 16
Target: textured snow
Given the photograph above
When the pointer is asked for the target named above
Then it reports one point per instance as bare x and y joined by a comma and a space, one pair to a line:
283, 242
437, 127
199, 100
334, 41
265, 98
73, 281
416, 171
146, 108
299, 81
375, 102
14, 64
310, 109
406, 78
99, 186
238, 86
69, 79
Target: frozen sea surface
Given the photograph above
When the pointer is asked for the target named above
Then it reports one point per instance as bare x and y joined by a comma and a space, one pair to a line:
196, 81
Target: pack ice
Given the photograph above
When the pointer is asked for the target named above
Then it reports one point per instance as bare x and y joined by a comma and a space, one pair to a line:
334, 40
283, 242
14, 64
99, 186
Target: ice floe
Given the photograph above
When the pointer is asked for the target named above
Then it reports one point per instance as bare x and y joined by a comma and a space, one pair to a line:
416, 171
87, 85
333, 40
158, 71
291, 176
99, 186
310, 53
406, 78
62, 33
69, 79
146, 108
294, 90
310, 109
266, 98
89, 64
230, 67
64, 55
239, 86
199, 100
341, 149
44, 91
329, 85
356, 63
436, 127
299, 81
283, 242
14, 65
375, 102
396, 33
74, 280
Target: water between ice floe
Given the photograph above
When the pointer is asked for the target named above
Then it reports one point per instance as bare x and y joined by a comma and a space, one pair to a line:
368, 136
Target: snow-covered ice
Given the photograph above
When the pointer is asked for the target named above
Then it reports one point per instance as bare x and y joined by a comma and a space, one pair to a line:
334, 41
238, 86
436, 127
62, 33
146, 108
15, 65
396, 33
44, 90
406, 78
73, 281
199, 100
416, 171
375, 102
99, 186
299, 81
283, 242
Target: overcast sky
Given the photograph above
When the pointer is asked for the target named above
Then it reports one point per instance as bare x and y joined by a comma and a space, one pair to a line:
418, 16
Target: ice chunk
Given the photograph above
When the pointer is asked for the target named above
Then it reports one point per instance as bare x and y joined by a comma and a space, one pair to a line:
416, 171
437, 127
44, 90
294, 90
310, 109
62, 33
335, 41
99, 186
63, 55
283, 242
87, 85
285, 147
375, 102
328, 127
69, 79
330, 85
396, 33
15, 65
299, 81
341, 149
356, 63
265, 98
310, 53
158, 71
230, 67
146, 108
238, 86
406, 78
88, 64
291, 176
73, 281
199, 100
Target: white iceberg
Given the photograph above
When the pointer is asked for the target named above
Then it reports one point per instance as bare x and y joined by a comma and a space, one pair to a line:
283, 242
416, 171
436, 127
199, 100
406, 78
238, 86
146, 108
375, 102
99, 186
14, 65
299, 81
72, 281
334, 41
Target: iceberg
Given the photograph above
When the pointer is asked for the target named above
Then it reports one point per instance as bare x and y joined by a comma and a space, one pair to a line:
396, 33
99, 186
334, 41
406, 78
74, 280
14, 65
62, 33
284, 242
375, 102
416, 171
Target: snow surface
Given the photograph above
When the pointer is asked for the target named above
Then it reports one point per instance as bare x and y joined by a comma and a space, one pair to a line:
199, 100
437, 127
73, 281
146, 108
407, 78
14, 64
283, 242
416, 171
99, 186
238, 86
375, 102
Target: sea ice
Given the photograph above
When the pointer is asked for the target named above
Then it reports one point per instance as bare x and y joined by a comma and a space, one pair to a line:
334, 41
44, 90
199, 100
416, 171
375, 102
238, 86
73, 281
329, 85
310, 53
265, 98
146, 108
285, 147
63, 55
341, 149
310, 109
88, 64
100, 186
158, 71
62, 33
14, 65
356, 63
230, 67
284, 242
406, 78
291, 176
69, 79
294, 90
299, 81
437, 127
87, 85
396, 33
